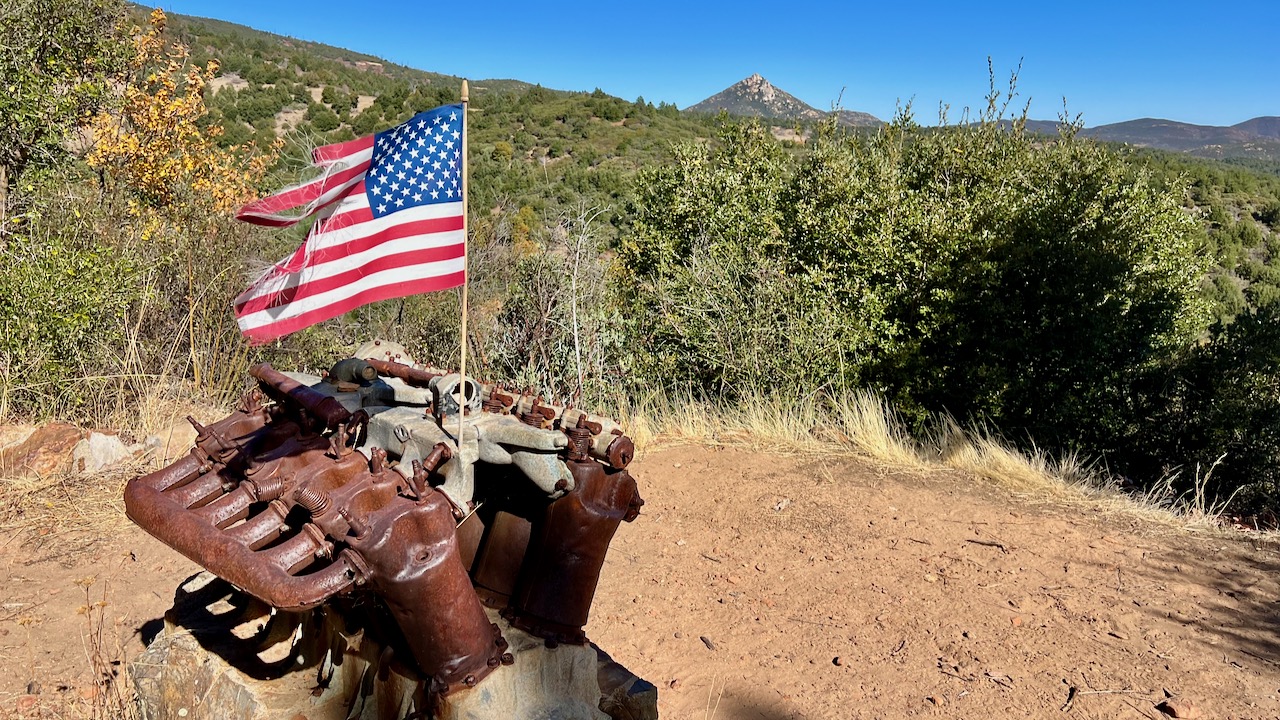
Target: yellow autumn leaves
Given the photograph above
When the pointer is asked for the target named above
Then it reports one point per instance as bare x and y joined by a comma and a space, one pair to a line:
158, 145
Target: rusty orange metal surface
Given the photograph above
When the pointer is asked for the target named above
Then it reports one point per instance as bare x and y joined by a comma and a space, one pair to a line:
288, 499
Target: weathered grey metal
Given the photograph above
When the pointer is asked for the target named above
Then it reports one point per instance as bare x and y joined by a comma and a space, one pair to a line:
353, 481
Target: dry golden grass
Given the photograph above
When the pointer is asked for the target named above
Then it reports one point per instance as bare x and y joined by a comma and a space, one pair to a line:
57, 504
858, 424
63, 502
861, 424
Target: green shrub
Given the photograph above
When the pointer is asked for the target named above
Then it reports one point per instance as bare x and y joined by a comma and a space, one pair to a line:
64, 295
1270, 214
970, 269
1222, 401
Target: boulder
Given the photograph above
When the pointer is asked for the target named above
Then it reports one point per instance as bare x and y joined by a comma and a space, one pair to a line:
170, 443
44, 451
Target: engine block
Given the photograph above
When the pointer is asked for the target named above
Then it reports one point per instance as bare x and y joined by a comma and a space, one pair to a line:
360, 481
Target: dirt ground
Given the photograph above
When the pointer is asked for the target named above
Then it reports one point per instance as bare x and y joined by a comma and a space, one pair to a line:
767, 587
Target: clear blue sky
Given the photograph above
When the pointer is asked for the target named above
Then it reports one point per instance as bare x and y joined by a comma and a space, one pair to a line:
1206, 62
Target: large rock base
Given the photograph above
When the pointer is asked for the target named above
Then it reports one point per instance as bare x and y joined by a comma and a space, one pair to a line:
224, 654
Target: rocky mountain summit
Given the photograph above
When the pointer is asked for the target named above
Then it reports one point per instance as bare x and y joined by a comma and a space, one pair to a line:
757, 97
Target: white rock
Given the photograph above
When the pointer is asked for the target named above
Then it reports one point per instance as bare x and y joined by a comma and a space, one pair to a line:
98, 452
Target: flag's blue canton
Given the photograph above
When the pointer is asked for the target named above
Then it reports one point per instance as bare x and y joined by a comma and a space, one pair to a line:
417, 163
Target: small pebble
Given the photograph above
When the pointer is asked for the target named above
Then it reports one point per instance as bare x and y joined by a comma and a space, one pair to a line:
707, 641
837, 661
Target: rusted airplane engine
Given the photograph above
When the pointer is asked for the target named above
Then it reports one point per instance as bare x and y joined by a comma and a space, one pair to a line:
357, 481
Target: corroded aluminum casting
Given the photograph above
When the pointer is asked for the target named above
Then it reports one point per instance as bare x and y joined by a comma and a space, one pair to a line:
358, 482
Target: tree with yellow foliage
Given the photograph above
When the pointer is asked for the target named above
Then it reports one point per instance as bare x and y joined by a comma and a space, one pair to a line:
156, 147
159, 152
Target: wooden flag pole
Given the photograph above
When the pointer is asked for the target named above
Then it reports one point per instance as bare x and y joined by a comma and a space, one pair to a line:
462, 364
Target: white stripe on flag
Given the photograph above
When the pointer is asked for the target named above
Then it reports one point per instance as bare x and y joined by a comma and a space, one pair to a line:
333, 297
273, 281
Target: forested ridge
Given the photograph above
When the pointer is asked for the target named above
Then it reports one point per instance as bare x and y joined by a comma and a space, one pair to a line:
1086, 298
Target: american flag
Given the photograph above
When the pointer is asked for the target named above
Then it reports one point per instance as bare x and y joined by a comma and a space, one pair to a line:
389, 224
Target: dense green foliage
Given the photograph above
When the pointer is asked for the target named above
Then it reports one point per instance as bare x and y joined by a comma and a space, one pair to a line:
64, 294
60, 58
1051, 289
1217, 413
971, 270
1239, 211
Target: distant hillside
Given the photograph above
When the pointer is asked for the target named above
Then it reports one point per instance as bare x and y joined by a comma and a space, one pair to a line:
1168, 134
1261, 126
536, 154
854, 118
1256, 139
220, 38
757, 97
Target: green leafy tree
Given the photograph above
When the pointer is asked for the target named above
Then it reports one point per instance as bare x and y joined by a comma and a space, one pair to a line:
703, 273
502, 152
1270, 214
60, 59
1220, 415
322, 118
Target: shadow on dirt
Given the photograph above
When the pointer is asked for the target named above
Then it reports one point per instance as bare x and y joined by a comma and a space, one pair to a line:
747, 707
1226, 592
148, 631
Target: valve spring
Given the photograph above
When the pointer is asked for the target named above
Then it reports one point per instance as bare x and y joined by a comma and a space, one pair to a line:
313, 501
269, 488
532, 419
579, 442
492, 405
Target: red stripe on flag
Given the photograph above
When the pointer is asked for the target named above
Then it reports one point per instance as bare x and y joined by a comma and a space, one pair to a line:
265, 333
267, 220
394, 232
333, 282
300, 259
300, 195
337, 151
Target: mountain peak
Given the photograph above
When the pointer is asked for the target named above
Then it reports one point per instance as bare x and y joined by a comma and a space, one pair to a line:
755, 96
756, 87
